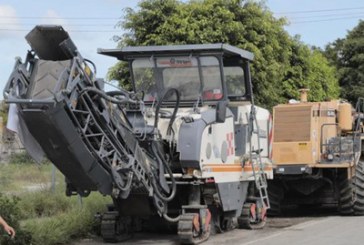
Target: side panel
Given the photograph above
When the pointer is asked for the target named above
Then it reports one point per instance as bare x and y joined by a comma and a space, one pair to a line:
241, 113
241, 139
217, 145
295, 134
299, 130
189, 143
232, 195
293, 152
218, 153
64, 147
203, 141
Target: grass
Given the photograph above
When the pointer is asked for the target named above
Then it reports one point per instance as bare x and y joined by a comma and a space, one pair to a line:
62, 227
48, 215
17, 175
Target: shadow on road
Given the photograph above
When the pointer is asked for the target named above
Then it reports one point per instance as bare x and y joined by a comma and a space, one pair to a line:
295, 214
308, 211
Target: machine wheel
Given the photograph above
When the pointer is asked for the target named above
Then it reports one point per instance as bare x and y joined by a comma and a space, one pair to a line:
251, 217
275, 194
189, 229
226, 224
351, 200
113, 229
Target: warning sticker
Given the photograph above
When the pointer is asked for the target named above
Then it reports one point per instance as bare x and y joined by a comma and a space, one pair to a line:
302, 146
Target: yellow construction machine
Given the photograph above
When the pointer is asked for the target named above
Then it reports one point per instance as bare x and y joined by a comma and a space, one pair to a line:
316, 149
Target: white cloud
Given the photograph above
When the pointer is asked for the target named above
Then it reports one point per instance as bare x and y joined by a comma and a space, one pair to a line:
9, 22
53, 18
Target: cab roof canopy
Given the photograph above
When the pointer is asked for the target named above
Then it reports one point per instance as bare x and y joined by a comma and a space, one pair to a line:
126, 53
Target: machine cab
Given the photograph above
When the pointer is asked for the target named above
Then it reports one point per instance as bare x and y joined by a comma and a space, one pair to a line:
203, 73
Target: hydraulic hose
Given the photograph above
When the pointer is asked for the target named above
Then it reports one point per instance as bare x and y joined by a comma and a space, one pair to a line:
171, 121
173, 117
92, 63
174, 185
118, 92
128, 183
106, 96
170, 219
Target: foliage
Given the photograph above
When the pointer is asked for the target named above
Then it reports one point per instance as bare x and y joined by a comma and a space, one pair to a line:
43, 203
4, 108
121, 73
347, 55
282, 64
11, 213
21, 158
42, 216
17, 178
67, 223
310, 69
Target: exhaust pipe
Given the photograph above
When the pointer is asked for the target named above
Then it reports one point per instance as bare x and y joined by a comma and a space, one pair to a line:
303, 94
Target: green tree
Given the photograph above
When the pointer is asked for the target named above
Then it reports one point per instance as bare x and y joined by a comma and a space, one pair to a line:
281, 65
310, 69
347, 55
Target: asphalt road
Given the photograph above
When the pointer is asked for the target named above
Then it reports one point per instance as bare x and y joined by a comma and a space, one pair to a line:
306, 230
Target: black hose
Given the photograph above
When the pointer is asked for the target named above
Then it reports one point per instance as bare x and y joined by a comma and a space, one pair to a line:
174, 190
171, 121
173, 118
92, 63
118, 92
107, 97
174, 185
156, 152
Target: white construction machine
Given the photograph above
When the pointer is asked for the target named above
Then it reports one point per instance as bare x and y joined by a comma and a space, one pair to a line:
187, 145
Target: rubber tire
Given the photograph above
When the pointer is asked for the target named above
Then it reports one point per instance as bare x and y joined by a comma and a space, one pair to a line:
351, 196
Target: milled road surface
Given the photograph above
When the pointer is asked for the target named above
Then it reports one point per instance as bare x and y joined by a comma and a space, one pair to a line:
309, 230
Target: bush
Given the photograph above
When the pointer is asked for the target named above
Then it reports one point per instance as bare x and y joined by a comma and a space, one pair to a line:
43, 203
62, 228
21, 158
41, 216
78, 221
11, 213
18, 178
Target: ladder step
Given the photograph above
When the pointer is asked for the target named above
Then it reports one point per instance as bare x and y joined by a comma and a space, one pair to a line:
255, 158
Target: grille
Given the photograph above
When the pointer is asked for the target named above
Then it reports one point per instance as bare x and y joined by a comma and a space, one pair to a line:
292, 124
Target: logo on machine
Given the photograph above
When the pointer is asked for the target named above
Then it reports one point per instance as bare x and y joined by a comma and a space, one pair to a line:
331, 113
174, 62
230, 145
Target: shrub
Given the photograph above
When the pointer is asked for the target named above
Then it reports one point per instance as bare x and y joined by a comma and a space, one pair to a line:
78, 221
17, 178
11, 213
43, 203
21, 158
41, 216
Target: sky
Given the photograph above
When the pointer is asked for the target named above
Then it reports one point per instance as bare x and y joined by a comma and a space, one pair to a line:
91, 24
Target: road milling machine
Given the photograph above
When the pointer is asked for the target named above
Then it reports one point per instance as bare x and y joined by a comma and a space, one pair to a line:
186, 146
317, 148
